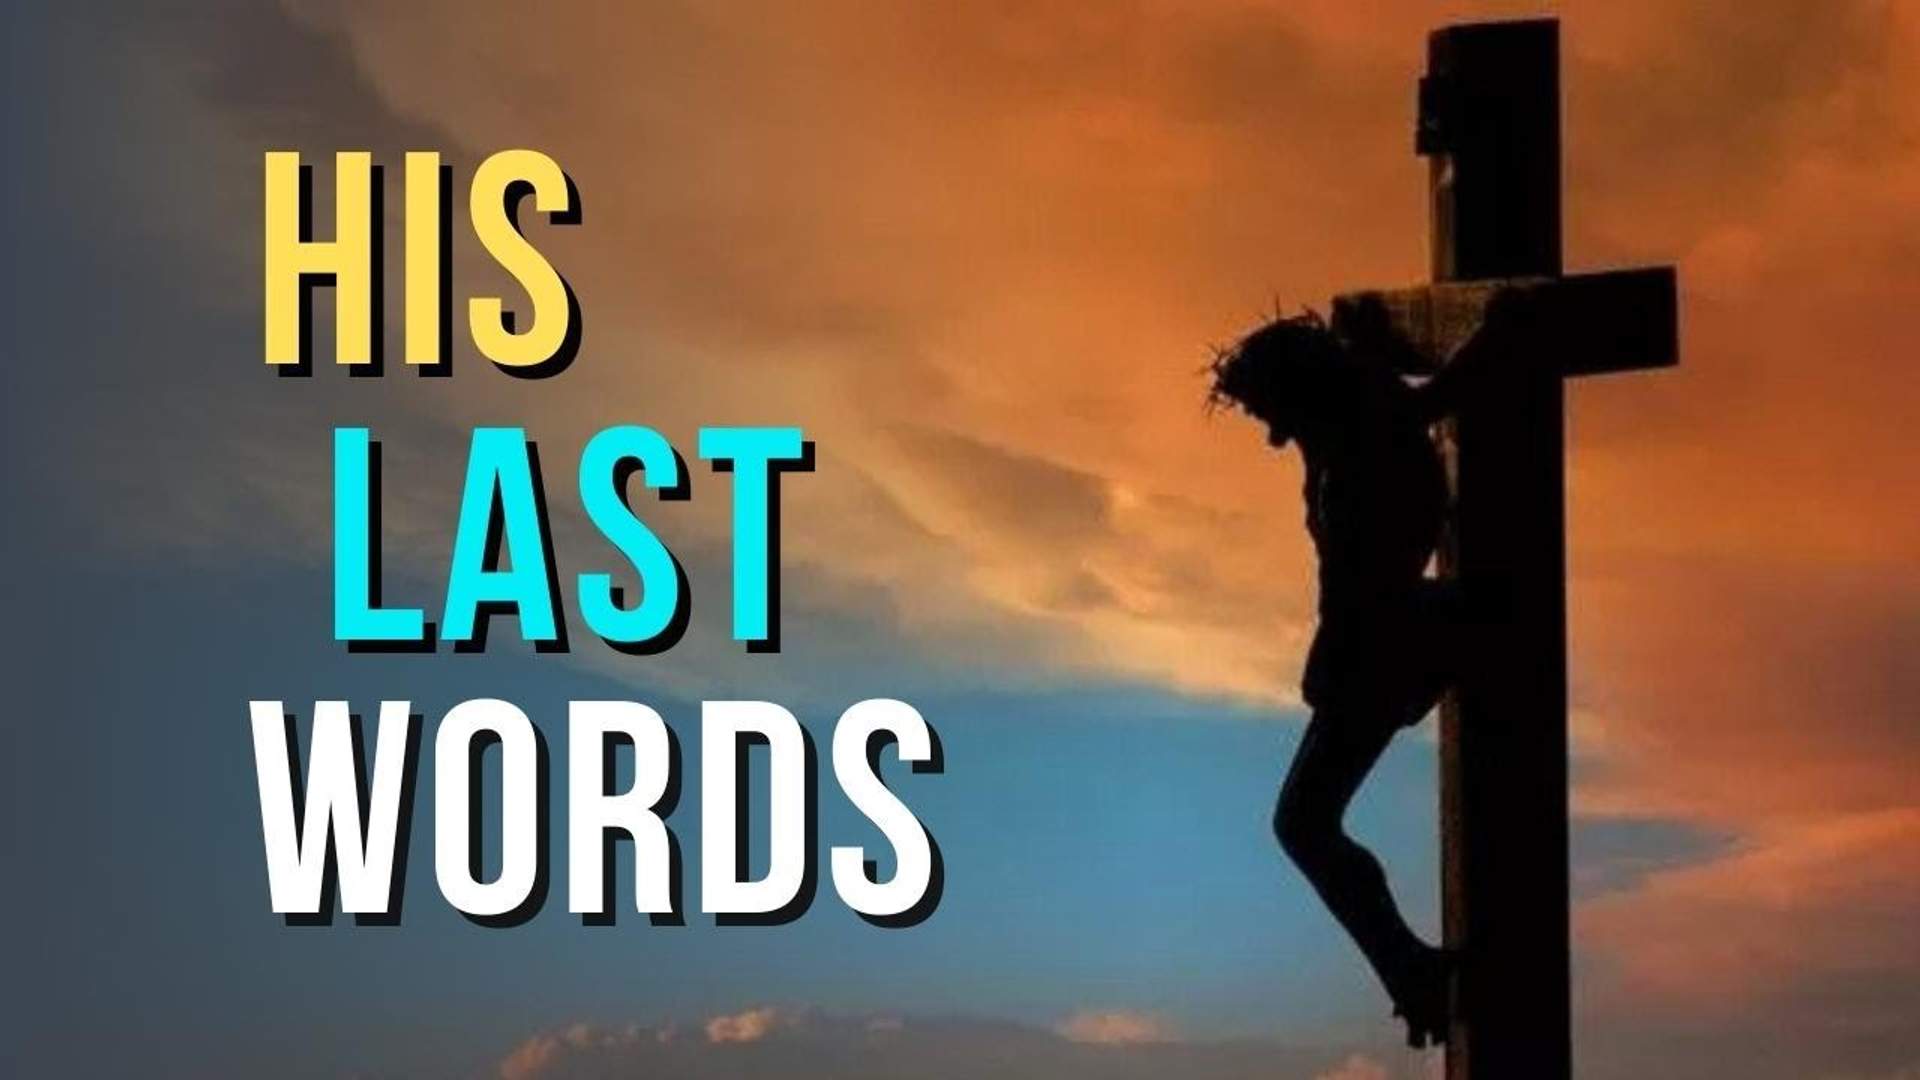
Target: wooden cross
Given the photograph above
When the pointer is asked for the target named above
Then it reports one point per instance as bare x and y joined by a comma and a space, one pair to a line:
1490, 125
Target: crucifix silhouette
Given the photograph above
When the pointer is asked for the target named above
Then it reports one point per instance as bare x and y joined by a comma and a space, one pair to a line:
1489, 123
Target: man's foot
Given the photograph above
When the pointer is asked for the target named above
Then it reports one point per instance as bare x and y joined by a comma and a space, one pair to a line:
1421, 997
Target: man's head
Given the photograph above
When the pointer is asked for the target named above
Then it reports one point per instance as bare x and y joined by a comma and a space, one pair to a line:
1279, 373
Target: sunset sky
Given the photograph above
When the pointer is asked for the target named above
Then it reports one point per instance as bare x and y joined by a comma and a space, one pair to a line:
978, 252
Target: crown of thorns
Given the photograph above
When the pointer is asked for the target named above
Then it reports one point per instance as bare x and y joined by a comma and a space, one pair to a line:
1268, 359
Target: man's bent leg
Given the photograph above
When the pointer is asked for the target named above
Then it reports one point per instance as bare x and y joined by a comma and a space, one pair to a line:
1335, 756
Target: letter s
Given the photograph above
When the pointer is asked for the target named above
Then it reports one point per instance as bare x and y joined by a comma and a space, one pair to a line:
494, 196
916, 874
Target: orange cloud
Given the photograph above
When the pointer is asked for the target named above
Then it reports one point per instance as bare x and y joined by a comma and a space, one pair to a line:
1807, 905
751, 1025
1114, 1027
1094, 1045
1355, 1067
543, 1053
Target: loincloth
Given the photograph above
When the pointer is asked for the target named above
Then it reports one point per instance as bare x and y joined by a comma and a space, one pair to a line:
1386, 659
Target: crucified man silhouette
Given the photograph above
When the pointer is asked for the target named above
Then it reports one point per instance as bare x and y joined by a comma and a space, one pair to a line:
1389, 638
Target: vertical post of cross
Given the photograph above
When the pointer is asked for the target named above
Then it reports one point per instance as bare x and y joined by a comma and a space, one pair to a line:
1490, 122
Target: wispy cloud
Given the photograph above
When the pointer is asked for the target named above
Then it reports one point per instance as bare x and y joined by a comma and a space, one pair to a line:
805, 1043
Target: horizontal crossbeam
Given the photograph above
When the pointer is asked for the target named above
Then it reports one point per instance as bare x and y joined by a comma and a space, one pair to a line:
1617, 320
